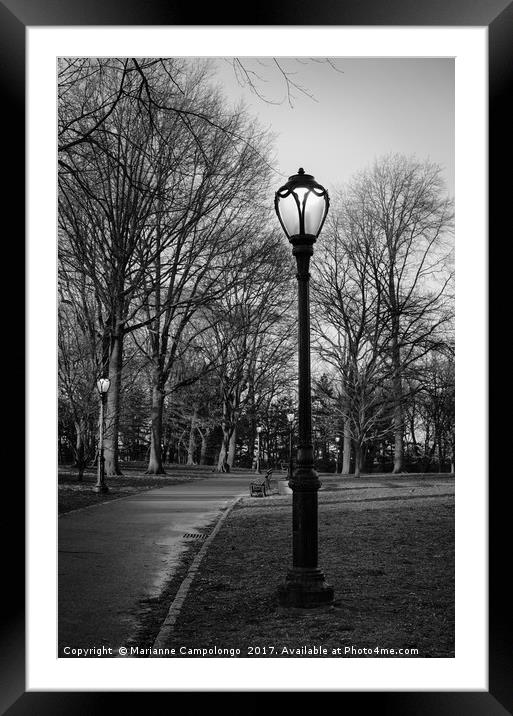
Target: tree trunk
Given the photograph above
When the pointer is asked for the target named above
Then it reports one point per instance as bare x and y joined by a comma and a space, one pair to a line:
155, 466
228, 429
398, 440
80, 427
358, 453
191, 450
397, 388
346, 457
252, 444
231, 447
222, 463
110, 438
416, 450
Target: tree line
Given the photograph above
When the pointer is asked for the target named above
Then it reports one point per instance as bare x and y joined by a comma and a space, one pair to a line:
176, 283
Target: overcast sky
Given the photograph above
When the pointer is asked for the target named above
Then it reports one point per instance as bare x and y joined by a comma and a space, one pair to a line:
368, 108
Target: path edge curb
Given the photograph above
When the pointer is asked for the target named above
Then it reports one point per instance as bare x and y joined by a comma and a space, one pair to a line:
177, 603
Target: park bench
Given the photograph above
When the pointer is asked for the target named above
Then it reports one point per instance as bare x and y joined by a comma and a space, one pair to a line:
261, 487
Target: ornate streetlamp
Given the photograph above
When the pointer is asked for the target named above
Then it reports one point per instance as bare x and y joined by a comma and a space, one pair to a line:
302, 205
103, 385
337, 456
259, 430
290, 418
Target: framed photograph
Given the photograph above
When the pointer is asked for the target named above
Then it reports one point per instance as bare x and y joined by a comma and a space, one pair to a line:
449, 70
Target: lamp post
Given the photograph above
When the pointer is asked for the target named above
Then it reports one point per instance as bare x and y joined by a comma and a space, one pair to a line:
259, 430
337, 441
290, 418
302, 205
103, 385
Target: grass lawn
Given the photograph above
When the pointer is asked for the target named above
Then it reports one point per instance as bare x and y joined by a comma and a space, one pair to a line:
391, 563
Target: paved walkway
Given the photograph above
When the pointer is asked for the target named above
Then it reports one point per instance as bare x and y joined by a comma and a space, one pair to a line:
115, 554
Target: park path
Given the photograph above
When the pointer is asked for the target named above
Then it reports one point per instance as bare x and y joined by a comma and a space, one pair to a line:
113, 555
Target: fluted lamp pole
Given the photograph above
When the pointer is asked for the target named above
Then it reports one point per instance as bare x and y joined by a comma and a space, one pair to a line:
290, 418
259, 430
102, 385
302, 205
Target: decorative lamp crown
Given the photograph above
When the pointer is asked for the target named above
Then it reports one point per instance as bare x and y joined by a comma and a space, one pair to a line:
302, 206
103, 385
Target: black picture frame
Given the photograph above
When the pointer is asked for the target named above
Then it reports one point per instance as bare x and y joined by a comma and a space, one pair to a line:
15, 17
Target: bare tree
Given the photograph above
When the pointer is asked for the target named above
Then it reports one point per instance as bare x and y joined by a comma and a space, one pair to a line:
108, 193
258, 73
351, 334
250, 327
435, 410
401, 219
383, 291
77, 366
201, 250
129, 192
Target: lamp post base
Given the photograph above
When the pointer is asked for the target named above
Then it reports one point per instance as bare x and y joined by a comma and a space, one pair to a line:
305, 588
100, 488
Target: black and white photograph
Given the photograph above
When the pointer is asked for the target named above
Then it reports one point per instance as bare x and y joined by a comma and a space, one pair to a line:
256, 357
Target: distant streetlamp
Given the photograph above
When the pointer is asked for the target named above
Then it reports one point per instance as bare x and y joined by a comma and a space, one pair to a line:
337, 441
103, 385
290, 418
259, 430
302, 205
